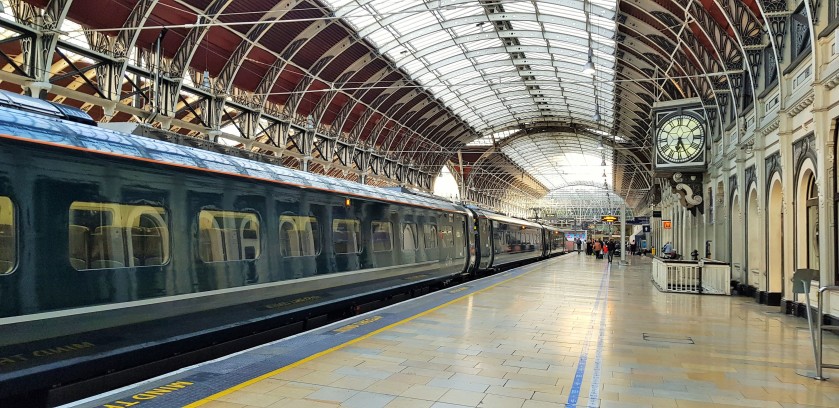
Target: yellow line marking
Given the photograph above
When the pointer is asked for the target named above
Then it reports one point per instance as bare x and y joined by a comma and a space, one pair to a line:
340, 346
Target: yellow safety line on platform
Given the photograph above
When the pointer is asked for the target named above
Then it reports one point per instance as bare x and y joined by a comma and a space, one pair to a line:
340, 346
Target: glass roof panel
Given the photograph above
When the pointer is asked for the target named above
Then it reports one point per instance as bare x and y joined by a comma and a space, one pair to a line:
548, 36
502, 65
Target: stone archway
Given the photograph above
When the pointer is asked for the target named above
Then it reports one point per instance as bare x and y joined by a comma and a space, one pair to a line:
775, 241
806, 218
737, 239
720, 244
754, 253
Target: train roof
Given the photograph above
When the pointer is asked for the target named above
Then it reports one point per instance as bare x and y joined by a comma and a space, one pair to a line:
504, 218
23, 124
551, 227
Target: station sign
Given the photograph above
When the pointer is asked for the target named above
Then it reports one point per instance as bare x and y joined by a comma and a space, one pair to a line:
656, 214
609, 218
639, 221
666, 224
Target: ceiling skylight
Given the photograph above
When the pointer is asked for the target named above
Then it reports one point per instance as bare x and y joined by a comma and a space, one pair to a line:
499, 64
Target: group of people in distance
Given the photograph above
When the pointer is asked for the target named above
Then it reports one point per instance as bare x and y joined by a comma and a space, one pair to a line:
598, 247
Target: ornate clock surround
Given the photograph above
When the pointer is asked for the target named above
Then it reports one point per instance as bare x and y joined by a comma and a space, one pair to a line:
672, 154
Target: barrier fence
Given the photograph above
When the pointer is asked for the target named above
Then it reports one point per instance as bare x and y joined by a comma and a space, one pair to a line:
703, 276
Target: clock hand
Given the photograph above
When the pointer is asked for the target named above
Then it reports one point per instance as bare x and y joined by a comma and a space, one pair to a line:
679, 143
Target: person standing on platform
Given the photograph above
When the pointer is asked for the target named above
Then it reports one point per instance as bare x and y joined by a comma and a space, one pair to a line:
597, 247
579, 245
588, 247
611, 246
632, 247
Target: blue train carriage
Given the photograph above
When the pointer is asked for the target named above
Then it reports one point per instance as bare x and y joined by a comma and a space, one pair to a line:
100, 229
506, 241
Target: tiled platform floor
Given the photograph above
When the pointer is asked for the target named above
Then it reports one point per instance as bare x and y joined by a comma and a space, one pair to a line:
569, 333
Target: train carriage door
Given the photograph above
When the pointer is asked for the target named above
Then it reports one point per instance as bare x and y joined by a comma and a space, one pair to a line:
459, 239
431, 240
485, 242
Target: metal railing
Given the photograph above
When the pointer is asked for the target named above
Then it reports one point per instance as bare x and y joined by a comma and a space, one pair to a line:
818, 338
703, 276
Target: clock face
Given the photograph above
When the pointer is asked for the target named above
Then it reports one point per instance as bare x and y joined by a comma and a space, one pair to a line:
680, 139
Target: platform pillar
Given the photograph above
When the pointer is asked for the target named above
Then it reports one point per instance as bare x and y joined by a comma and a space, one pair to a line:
623, 234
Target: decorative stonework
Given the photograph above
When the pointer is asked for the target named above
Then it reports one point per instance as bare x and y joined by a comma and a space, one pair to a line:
803, 149
689, 189
831, 81
773, 165
769, 128
806, 101
750, 176
732, 187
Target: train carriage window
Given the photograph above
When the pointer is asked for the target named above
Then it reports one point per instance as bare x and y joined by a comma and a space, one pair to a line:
109, 235
382, 236
346, 236
299, 236
430, 233
409, 237
228, 236
446, 236
8, 250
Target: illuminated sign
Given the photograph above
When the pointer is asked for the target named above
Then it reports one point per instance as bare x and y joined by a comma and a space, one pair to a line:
666, 224
609, 218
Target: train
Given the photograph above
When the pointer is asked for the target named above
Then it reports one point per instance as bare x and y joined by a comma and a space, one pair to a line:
102, 229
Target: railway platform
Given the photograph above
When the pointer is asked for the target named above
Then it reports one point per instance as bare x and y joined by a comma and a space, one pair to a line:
567, 332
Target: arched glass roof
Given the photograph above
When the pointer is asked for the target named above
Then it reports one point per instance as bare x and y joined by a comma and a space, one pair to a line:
560, 160
499, 64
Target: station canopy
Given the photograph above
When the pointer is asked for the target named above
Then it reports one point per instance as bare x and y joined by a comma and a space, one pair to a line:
509, 65
521, 99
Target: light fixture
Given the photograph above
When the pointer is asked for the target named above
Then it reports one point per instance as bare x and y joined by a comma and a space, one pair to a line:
588, 68
600, 145
596, 117
205, 80
604, 174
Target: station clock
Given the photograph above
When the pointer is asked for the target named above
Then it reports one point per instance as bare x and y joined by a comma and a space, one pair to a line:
679, 141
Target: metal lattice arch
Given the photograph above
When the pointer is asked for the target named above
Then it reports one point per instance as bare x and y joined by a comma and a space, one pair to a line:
373, 91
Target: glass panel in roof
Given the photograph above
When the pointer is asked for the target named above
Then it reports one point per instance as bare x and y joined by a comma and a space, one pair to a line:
431, 39
460, 11
491, 57
432, 29
482, 44
381, 37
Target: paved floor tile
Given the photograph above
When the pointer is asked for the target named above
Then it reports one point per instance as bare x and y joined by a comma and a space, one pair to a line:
570, 330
